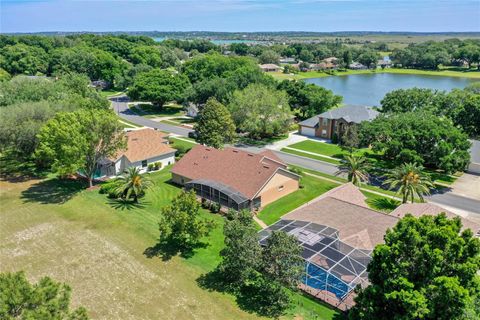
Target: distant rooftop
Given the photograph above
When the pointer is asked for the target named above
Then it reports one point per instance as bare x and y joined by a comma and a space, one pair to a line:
351, 113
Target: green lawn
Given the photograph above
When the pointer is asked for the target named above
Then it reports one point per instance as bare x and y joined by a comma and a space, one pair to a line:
380, 203
150, 111
327, 149
98, 245
471, 74
185, 144
312, 188
109, 93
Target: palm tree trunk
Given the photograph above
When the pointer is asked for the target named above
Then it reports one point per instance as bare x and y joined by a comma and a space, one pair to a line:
90, 182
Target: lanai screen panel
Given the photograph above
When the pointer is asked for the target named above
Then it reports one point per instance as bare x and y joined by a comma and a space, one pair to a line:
330, 264
233, 194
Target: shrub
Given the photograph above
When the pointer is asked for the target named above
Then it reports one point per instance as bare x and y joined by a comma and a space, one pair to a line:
109, 188
158, 165
215, 207
151, 167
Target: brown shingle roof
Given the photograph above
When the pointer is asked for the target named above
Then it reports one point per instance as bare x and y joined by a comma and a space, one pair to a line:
243, 171
420, 209
357, 225
344, 209
145, 144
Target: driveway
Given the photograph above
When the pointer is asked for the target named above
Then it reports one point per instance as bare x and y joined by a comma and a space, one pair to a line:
120, 106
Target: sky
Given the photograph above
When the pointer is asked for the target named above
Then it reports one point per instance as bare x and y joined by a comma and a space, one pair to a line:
239, 15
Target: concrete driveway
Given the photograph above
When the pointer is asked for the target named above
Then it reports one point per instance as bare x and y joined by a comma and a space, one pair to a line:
468, 186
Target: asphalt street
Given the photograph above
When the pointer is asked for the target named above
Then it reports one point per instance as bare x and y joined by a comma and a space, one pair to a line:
449, 199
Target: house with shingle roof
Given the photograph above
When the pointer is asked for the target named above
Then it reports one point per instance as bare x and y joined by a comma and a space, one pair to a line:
235, 178
336, 121
344, 208
270, 67
144, 146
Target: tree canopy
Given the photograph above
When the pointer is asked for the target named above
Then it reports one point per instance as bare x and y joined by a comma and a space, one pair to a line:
427, 269
181, 225
26, 104
77, 141
461, 106
215, 126
46, 299
309, 99
260, 111
419, 137
158, 86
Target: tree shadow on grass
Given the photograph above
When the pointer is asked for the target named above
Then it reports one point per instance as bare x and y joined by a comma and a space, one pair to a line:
384, 204
14, 169
53, 191
214, 281
168, 249
121, 204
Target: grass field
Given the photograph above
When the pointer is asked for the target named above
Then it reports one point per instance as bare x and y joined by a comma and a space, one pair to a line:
56, 228
185, 144
149, 111
312, 188
471, 74
311, 156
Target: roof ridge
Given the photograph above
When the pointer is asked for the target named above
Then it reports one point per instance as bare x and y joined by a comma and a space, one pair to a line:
368, 208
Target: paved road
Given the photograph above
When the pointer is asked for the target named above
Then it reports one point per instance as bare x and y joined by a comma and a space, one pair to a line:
120, 107
447, 198
456, 201
307, 163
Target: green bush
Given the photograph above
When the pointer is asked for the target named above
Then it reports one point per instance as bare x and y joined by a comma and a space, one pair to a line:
151, 167
215, 207
158, 165
109, 188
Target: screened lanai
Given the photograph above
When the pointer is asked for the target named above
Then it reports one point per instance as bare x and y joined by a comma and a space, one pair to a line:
330, 264
220, 193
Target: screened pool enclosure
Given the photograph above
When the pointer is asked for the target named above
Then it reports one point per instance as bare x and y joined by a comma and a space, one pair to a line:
330, 264
221, 193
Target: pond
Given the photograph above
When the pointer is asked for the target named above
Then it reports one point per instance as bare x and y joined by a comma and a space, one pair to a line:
369, 89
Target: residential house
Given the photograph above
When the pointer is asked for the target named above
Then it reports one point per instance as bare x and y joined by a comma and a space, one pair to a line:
270, 67
235, 178
144, 146
332, 60
338, 232
287, 60
335, 121
357, 66
384, 63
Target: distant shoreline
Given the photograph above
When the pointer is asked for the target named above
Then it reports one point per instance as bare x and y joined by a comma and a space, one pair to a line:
441, 73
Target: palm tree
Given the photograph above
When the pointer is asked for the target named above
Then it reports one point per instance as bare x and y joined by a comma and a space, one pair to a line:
410, 181
355, 167
132, 184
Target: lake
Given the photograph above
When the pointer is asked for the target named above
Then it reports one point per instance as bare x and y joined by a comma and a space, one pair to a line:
369, 89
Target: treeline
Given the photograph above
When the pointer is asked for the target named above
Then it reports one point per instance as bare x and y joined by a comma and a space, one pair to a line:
431, 54
26, 105
114, 59
313, 52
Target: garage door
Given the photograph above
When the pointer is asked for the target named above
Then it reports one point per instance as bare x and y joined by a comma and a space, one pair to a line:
306, 131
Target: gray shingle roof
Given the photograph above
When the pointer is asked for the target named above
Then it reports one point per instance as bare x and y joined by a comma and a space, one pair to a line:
310, 122
351, 113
